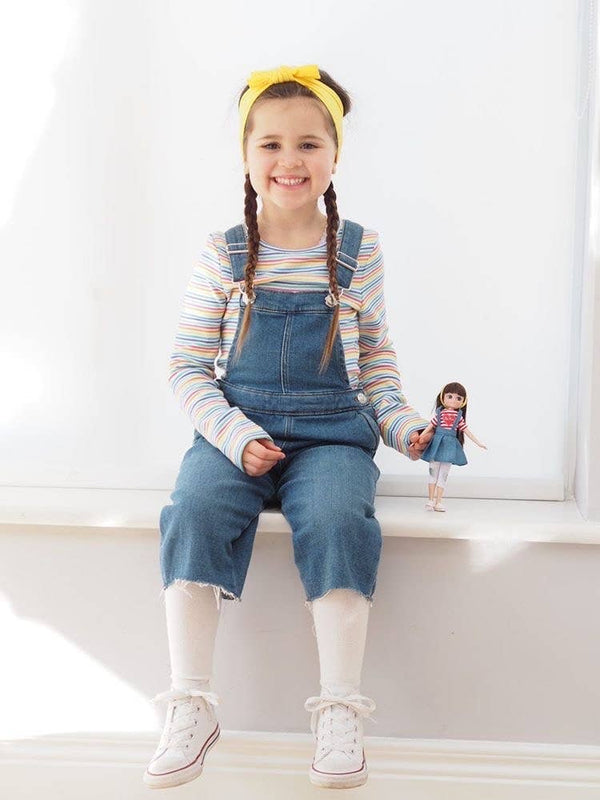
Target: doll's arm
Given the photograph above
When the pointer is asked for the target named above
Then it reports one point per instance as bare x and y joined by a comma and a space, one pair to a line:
428, 429
468, 433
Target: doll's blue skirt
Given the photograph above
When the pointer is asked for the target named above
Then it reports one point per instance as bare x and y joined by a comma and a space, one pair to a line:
445, 447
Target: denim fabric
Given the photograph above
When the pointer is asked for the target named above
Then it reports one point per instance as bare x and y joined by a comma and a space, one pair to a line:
328, 431
444, 446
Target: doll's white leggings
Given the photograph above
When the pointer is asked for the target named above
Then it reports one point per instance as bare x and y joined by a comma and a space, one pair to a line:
340, 626
438, 472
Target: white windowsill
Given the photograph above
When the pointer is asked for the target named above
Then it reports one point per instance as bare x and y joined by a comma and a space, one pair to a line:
33, 508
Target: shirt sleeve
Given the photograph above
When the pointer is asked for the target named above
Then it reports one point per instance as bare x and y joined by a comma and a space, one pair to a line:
192, 361
377, 361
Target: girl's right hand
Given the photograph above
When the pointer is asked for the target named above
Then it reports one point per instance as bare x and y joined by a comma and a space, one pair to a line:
258, 458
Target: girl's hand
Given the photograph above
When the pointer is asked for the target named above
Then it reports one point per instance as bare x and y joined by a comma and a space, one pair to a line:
258, 458
482, 445
418, 442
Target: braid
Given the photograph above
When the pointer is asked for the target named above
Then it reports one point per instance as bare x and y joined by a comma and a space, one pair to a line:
333, 221
253, 244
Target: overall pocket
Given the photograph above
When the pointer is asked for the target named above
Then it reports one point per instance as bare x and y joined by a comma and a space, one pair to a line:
372, 423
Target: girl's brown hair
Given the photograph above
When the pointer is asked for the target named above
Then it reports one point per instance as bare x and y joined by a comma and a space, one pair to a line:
283, 91
454, 388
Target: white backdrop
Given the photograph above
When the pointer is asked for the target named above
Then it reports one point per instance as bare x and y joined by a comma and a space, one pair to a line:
121, 155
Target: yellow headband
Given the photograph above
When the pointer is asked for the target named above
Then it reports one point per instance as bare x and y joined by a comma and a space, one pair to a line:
308, 76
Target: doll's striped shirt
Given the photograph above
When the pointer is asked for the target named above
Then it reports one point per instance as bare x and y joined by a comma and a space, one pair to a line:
208, 321
448, 417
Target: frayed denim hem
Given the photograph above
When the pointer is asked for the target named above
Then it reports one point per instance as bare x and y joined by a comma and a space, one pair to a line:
308, 603
219, 591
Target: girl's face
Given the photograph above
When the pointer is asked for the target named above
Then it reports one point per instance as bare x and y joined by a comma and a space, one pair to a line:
452, 400
289, 139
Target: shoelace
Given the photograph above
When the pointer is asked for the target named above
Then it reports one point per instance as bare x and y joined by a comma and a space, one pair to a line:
176, 733
337, 725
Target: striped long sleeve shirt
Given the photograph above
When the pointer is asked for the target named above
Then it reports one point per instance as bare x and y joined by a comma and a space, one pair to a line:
208, 321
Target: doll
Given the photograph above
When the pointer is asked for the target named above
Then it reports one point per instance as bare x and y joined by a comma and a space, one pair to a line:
446, 447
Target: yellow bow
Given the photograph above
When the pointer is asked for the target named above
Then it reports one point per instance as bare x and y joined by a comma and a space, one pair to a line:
262, 80
307, 75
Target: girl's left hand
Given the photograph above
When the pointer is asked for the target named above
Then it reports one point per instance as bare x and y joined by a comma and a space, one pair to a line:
418, 442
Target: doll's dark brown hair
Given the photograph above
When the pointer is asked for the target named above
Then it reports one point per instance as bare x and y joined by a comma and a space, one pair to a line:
454, 388
282, 91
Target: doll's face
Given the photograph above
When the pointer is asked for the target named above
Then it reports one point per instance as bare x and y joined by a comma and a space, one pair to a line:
452, 400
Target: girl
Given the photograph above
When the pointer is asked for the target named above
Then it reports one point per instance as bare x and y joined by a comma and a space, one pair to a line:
288, 309
446, 447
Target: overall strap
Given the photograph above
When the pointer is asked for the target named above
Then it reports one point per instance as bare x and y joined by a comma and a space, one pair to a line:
347, 256
237, 247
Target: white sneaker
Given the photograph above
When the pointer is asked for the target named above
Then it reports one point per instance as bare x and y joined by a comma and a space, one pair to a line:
191, 729
439, 507
336, 722
429, 505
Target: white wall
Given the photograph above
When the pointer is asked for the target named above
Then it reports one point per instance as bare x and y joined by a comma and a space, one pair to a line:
120, 145
467, 640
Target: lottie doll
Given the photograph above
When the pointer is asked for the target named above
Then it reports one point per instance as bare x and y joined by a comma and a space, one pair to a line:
446, 447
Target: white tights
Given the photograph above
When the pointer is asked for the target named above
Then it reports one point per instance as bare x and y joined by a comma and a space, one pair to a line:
438, 473
340, 626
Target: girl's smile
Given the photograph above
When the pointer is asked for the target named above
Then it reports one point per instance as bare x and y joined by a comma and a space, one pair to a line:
290, 183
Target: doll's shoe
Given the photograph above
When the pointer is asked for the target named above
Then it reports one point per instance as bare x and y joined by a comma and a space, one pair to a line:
336, 723
190, 730
439, 507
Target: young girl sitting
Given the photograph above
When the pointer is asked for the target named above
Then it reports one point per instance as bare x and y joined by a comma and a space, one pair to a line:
288, 309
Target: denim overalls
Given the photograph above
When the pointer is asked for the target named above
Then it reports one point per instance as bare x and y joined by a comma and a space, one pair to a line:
444, 446
327, 430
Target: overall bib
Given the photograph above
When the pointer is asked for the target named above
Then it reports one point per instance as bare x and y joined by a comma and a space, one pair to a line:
328, 431
445, 446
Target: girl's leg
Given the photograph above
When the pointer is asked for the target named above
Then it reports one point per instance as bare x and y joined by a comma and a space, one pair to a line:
191, 727
192, 613
327, 494
340, 625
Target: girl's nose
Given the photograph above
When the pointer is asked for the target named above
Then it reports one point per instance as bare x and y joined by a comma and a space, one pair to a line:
289, 161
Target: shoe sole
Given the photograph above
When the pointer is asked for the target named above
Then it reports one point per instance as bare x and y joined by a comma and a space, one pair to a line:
185, 774
345, 780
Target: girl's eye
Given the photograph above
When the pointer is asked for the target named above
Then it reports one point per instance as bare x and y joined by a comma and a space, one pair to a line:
275, 144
